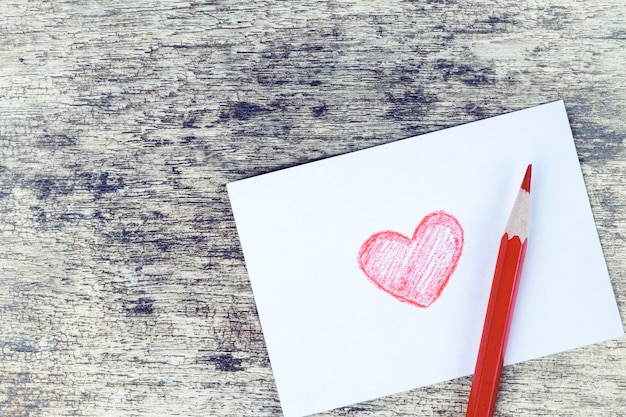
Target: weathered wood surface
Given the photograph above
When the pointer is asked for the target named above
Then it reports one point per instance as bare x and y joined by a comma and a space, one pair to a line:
123, 290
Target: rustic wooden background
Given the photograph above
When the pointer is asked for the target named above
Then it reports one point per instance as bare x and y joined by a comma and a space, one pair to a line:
123, 290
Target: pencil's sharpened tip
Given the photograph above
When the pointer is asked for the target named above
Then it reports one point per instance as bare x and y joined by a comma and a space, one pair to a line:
526, 182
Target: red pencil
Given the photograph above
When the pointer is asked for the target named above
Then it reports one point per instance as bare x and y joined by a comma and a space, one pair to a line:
482, 398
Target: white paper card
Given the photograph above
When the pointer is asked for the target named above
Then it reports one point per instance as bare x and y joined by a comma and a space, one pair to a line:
336, 337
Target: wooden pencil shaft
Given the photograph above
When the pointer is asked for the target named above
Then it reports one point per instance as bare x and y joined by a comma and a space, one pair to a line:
494, 338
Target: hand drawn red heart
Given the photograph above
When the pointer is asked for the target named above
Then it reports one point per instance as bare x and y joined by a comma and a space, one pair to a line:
414, 270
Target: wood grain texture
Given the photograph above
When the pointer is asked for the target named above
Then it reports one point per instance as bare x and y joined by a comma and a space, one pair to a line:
123, 289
